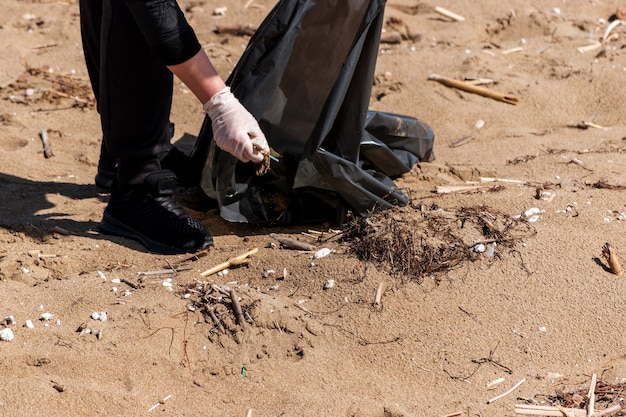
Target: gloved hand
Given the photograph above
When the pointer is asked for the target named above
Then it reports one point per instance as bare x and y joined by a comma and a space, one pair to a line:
235, 130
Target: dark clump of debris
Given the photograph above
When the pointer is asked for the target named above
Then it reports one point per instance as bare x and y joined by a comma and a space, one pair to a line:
420, 240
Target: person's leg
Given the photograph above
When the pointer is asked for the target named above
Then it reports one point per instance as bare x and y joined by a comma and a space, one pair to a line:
135, 97
90, 28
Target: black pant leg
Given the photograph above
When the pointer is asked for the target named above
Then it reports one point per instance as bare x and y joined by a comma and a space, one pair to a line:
135, 95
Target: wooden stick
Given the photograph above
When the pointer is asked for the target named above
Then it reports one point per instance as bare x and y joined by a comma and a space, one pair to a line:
591, 396
462, 85
447, 13
237, 308
289, 243
504, 394
228, 263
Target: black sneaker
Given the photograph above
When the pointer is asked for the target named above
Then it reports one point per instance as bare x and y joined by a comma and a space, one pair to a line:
150, 214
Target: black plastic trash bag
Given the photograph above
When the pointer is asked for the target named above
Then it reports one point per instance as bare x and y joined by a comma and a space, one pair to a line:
307, 76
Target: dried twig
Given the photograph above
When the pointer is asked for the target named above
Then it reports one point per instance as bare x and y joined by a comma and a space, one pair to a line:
504, 394
447, 13
216, 322
192, 257
129, 283
164, 271
462, 85
461, 142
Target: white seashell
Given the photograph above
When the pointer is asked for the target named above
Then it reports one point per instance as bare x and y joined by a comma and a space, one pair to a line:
101, 274
6, 335
321, 253
274, 287
220, 11
532, 211
116, 281
29, 324
479, 124
47, 316
99, 315
268, 272
479, 248
9, 319
329, 284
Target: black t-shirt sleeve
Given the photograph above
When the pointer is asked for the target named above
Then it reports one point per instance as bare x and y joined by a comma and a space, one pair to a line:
166, 30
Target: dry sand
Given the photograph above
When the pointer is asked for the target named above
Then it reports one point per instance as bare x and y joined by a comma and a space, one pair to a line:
544, 308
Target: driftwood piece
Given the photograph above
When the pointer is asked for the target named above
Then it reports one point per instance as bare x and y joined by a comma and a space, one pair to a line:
471, 88
289, 243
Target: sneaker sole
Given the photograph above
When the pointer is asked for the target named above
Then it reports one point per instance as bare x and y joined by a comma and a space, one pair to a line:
111, 226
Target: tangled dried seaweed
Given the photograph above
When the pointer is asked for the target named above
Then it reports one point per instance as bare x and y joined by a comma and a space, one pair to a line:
608, 399
417, 241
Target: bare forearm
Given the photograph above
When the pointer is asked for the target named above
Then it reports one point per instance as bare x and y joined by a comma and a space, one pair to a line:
200, 76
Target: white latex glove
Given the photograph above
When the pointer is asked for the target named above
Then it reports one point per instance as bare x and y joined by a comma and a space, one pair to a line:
235, 130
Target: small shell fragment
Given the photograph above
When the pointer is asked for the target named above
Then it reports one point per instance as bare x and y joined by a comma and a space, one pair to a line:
6, 335
99, 315
329, 284
47, 316
321, 253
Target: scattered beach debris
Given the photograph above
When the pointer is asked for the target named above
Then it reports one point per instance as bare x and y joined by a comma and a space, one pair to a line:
420, 240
